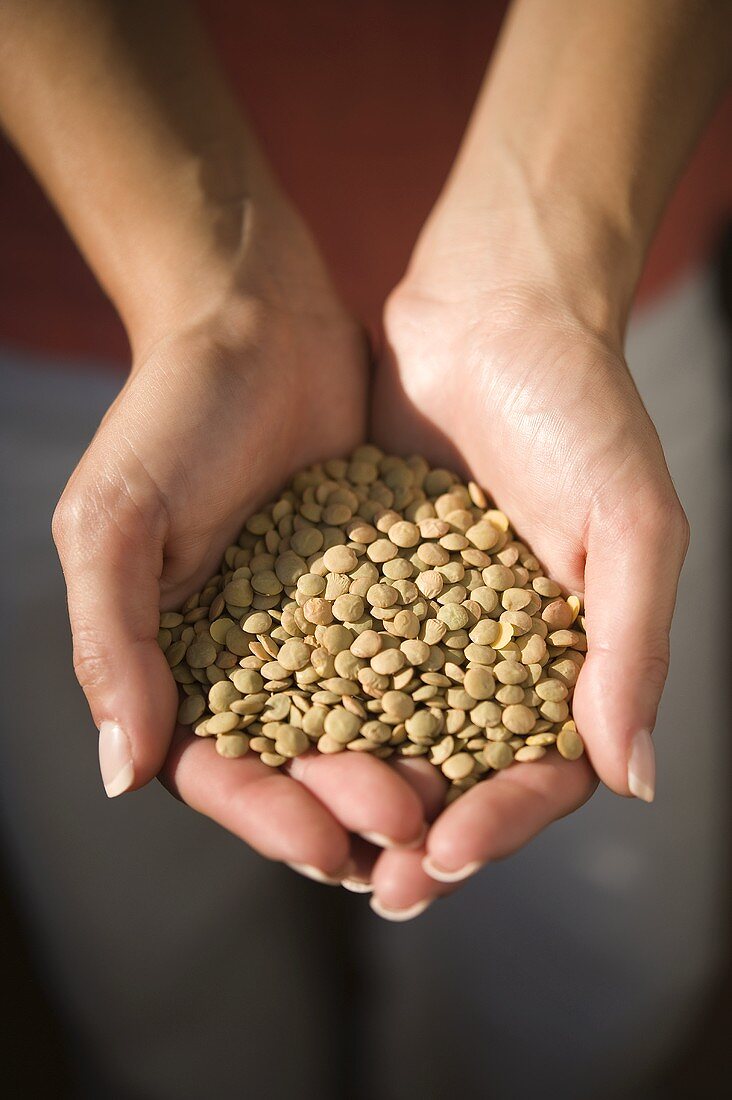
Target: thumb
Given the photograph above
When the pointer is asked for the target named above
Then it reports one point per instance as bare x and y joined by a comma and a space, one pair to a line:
634, 559
111, 554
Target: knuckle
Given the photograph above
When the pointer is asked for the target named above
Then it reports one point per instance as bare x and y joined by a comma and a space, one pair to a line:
66, 519
404, 319
666, 514
90, 664
652, 667
83, 506
106, 506
683, 529
393, 309
657, 515
654, 512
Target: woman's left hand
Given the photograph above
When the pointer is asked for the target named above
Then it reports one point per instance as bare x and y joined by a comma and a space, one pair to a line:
510, 385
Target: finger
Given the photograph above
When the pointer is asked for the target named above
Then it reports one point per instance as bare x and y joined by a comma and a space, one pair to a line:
494, 819
427, 783
430, 787
631, 576
364, 857
267, 809
402, 888
111, 553
365, 795
498, 816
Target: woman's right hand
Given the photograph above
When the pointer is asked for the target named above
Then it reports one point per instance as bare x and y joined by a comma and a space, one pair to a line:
217, 413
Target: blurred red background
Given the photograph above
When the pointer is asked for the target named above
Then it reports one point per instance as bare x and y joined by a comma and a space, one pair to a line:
361, 108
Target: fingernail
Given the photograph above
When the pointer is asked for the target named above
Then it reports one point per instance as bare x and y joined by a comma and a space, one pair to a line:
642, 767
357, 886
115, 759
317, 875
439, 874
382, 841
399, 914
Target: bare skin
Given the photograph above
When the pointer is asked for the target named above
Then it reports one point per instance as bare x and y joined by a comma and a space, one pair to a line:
502, 355
556, 431
245, 367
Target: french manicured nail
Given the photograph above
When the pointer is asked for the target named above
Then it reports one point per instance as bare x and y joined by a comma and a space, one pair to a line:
439, 874
382, 841
317, 875
357, 886
642, 767
399, 914
115, 759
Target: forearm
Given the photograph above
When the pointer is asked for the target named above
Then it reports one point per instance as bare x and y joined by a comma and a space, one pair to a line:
584, 122
120, 112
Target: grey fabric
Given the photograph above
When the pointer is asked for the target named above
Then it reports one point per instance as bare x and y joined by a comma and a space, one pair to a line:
180, 957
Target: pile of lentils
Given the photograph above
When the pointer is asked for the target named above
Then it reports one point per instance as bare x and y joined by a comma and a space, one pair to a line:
380, 606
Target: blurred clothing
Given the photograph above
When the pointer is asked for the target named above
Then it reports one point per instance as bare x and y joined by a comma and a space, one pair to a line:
188, 967
361, 108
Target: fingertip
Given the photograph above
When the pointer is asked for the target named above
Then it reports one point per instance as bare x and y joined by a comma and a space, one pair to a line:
440, 874
263, 806
379, 840
502, 814
138, 720
115, 759
399, 915
630, 592
615, 727
642, 767
367, 795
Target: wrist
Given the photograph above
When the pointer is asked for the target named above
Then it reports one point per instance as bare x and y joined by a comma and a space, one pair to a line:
166, 247
224, 266
533, 241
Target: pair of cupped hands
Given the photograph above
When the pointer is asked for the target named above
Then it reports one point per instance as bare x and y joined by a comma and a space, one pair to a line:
495, 361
